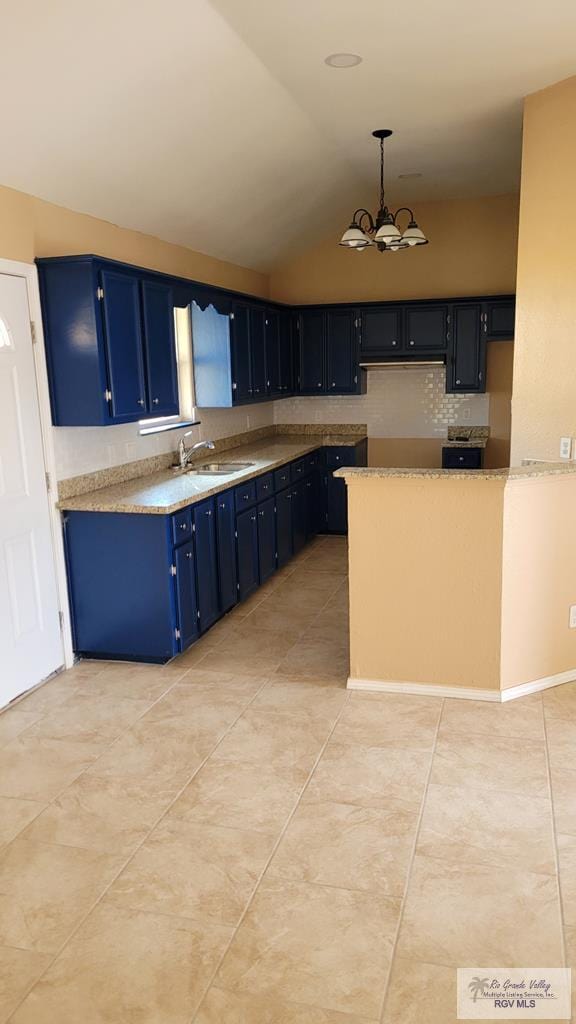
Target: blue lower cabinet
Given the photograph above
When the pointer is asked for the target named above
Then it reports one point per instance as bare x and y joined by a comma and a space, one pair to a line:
336, 505
226, 543
266, 539
284, 526
312, 493
121, 584
186, 595
247, 553
299, 527
206, 563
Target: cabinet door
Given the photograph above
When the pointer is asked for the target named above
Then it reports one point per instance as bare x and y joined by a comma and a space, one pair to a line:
426, 328
466, 370
284, 526
286, 352
247, 552
241, 382
299, 525
498, 319
266, 539
380, 330
206, 563
226, 542
186, 596
336, 505
311, 352
341, 352
160, 348
124, 345
258, 352
313, 505
273, 382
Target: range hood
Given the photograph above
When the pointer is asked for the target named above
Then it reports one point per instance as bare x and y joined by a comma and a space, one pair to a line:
395, 363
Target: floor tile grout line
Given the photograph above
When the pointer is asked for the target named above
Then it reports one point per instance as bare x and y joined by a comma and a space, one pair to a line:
132, 853
270, 858
411, 864
554, 837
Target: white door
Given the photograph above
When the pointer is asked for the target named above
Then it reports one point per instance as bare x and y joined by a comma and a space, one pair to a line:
30, 638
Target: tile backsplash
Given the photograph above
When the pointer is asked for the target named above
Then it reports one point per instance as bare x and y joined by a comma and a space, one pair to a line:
400, 402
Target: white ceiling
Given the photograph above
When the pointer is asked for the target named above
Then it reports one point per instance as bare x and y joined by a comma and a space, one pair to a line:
218, 125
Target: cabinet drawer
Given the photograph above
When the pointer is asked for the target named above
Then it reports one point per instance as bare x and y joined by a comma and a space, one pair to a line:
265, 486
281, 477
245, 495
312, 462
462, 458
298, 469
340, 456
182, 526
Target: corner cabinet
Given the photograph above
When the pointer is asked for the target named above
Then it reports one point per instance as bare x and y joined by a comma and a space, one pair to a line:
110, 342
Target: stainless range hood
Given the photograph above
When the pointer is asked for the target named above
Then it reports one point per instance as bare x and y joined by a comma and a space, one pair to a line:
402, 365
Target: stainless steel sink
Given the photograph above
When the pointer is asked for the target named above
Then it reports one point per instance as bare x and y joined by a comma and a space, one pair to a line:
219, 468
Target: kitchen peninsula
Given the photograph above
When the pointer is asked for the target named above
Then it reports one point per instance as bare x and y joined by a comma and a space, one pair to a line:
461, 582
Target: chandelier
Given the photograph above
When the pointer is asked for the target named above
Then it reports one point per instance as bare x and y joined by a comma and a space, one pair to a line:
387, 236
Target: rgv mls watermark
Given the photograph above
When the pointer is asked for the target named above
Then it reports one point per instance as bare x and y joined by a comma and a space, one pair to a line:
514, 993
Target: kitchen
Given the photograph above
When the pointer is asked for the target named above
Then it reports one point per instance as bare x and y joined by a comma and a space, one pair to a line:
286, 602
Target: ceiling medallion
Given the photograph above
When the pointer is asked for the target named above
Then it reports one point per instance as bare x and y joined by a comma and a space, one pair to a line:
387, 237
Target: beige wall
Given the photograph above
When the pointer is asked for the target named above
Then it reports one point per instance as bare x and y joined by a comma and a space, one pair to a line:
472, 251
30, 227
499, 387
423, 452
538, 579
425, 580
544, 401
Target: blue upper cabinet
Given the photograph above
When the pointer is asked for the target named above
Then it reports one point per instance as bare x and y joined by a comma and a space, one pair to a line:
109, 340
160, 348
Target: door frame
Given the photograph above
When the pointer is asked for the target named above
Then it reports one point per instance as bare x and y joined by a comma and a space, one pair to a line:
28, 271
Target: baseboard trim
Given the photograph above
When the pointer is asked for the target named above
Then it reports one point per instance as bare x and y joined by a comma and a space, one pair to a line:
462, 692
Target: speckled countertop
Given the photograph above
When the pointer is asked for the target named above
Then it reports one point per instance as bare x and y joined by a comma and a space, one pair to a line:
467, 437
168, 491
529, 472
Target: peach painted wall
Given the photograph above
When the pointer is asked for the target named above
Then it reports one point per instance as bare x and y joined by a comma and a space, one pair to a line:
499, 386
544, 399
425, 580
538, 579
30, 227
472, 251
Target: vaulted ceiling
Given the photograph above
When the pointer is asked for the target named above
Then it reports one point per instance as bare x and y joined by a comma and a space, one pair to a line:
219, 126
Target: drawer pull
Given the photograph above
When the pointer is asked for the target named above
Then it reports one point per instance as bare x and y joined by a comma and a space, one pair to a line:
208, 513
188, 554
182, 526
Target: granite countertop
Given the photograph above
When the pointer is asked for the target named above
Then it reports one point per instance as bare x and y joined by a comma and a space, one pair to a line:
480, 442
168, 491
466, 437
527, 472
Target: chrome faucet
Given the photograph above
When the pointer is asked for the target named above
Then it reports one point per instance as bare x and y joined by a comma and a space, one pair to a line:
185, 454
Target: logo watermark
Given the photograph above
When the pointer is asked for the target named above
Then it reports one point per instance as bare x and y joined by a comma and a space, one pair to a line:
515, 993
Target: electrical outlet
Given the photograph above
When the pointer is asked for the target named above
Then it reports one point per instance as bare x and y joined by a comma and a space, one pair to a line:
565, 447
573, 616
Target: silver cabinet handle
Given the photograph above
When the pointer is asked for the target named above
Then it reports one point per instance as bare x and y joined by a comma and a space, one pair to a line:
461, 458
252, 519
320, 384
140, 401
458, 381
208, 513
246, 497
188, 554
261, 514
221, 505
333, 384
411, 342
394, 342
155, 401
183, 526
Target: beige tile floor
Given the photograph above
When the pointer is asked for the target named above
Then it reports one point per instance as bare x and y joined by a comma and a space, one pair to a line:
234, 838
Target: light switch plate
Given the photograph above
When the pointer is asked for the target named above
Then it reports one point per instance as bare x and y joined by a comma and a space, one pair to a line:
565, 447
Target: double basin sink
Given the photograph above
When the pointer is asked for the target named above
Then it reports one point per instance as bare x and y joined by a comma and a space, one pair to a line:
217, 468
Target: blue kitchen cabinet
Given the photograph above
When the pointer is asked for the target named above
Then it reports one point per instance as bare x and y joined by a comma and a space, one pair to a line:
266, 539
188, 612
125, 591
284, 544
204, 519
226, 545
247, 552
342, 369
258, 380
466, 364
335, 495
299, 518
311, 349
110, 342
240, 341
159, 348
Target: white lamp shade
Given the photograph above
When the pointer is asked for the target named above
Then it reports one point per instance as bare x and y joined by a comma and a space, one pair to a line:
388, 233
355, 238
414, 236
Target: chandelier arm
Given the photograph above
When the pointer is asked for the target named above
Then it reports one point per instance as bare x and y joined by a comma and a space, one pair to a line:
359, 216
403, 209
